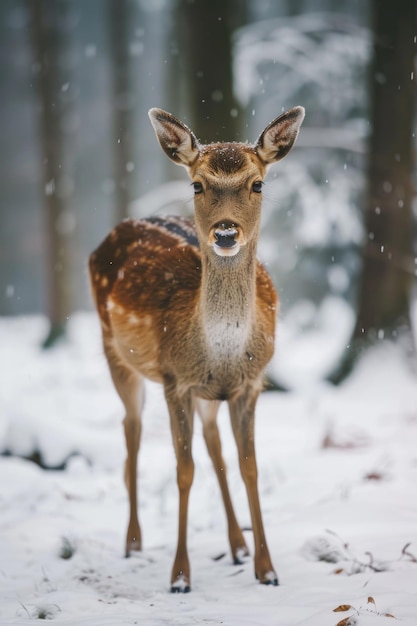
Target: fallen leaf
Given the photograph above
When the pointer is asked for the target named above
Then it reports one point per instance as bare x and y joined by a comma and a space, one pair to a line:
341, 608
375, 476
348, 621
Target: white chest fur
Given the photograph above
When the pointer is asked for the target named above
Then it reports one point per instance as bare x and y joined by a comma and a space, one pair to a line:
226, 337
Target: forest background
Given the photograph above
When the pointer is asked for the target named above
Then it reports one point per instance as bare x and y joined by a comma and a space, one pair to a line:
337, 462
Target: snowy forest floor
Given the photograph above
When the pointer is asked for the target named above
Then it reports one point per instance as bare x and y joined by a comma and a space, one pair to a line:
337, 479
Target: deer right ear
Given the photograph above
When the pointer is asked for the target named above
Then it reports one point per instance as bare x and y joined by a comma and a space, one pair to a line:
175, 138
279, 136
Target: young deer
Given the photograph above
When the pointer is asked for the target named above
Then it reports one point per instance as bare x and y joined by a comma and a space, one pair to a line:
187, 304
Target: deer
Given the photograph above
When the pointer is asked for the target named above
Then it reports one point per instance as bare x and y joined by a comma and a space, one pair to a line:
185, 302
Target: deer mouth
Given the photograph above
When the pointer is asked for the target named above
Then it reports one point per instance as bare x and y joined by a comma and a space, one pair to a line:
226, 239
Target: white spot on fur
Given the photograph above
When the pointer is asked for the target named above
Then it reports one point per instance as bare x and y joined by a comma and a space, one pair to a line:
133, 319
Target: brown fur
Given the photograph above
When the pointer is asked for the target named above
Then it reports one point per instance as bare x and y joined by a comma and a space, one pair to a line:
188, 305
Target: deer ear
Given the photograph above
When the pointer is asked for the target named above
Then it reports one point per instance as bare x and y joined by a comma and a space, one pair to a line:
279, 136
175, 138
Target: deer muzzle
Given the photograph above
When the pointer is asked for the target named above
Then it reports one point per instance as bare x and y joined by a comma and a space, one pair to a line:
226, 239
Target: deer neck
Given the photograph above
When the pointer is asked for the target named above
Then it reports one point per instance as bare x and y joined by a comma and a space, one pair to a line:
227, 302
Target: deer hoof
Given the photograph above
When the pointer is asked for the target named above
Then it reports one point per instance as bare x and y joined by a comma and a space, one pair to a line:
270, 578
133, 545
180, 585
239, 556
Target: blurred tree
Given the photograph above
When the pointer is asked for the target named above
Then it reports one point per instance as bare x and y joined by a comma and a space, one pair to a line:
388, 259
206, 31
120, 20
50, 26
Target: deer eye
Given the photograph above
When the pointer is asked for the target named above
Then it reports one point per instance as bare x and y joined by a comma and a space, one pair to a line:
257, 186
198, 188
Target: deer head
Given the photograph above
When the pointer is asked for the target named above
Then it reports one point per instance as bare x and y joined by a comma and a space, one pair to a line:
227, 178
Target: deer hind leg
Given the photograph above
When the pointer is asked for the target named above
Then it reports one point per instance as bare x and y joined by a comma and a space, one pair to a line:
181, 415
242, 413
208, 410
130, 387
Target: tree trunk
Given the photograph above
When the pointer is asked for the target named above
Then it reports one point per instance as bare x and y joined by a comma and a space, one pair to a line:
207, 27
388, 260
119, 19
388, 255
50, 25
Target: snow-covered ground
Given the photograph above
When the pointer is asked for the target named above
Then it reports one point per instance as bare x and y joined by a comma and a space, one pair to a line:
338, 476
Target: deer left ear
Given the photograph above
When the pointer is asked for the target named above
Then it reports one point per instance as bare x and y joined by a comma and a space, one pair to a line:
177, 141
279, 136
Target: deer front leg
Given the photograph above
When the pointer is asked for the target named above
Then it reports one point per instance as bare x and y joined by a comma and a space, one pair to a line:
242, 413
208, 413
181, 415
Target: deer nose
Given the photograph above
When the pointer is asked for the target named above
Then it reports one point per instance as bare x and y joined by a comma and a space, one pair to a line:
225, 236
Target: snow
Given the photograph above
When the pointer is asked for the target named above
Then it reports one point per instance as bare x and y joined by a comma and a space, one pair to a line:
287, 52
337, 476
312, 338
